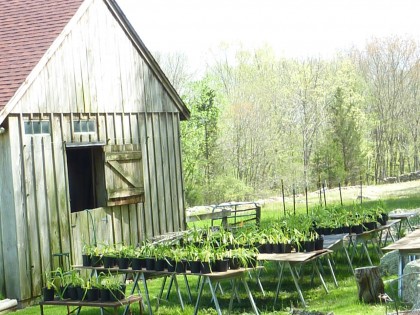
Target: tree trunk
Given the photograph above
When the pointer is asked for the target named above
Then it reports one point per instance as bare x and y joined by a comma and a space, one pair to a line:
369, 283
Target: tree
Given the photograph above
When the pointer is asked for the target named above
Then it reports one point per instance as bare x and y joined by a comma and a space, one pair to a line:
387, 65
199, 141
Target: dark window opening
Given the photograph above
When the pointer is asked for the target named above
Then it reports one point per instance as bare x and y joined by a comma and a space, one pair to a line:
86, 178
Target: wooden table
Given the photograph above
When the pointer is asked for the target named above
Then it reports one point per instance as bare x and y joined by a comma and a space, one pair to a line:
77, 305
387, 230
407, 246
215, 277
291, 261
372, 236
335, 242
404, 218
139, 275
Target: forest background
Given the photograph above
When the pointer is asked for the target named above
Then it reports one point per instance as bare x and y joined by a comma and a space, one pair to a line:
259, 120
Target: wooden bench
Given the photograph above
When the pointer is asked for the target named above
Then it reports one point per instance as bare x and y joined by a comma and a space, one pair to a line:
77, 305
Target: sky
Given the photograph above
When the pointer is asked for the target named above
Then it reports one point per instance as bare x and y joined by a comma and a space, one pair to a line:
293, 28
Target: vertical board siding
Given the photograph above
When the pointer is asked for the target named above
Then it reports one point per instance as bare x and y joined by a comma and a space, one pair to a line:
160, 186
49, 225
173, 179
178, 169
14, 260
166, 177
4, 183
32, 215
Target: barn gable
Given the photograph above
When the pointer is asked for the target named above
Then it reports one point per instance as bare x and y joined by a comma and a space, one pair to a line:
104, 36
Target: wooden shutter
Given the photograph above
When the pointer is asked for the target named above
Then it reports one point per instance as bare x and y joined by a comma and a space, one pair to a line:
123, 174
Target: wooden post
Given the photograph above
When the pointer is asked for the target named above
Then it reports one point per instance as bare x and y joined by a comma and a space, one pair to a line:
369, 283
294, 201
325, 199
320, 191
341, 197
306, 197
258, 215
282, 193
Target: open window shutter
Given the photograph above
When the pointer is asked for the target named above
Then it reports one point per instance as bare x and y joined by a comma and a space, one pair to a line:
123, 174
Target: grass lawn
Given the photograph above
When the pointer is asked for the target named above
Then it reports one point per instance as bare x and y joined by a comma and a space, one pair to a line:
342, 300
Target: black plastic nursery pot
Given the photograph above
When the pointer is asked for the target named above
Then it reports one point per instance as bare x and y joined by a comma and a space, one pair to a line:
222, 265
138, 263
357, 229
109, 262
48, 294
105, 295
150, 264
205, 267
287, 248
180, 267
234, 263
86, 260
369, 226
309, 246
92, 294
278, 248
80, 293
195, 266
160, 264
72, 293
319, 243
96, 261
123, 262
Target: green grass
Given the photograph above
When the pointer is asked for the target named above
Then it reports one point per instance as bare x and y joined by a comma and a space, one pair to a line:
342, 300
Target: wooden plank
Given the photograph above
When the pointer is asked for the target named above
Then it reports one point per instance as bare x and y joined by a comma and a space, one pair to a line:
166, 169
41, 203
160, 180
5, 169
125, 224
101, 226
48, 181
149, 182
172, 139
13, 268
80, 234
117, 225
32, 216
56, 145
9, 160
134, 230
411, 242
179, 175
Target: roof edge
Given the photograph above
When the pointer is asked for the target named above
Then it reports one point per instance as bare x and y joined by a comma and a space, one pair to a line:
144, 51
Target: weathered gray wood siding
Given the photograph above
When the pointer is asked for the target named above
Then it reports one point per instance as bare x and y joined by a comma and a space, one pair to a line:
8, 234
98, 74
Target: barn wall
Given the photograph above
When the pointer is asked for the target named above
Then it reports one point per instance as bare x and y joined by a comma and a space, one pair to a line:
45, 222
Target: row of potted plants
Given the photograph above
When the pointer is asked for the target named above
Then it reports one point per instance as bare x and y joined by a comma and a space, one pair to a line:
172, 256
338, 219
71, 285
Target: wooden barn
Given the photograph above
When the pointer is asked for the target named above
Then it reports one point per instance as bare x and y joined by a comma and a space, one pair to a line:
89, 138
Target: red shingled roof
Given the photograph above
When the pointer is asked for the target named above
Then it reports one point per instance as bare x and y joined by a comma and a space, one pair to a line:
27, 30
